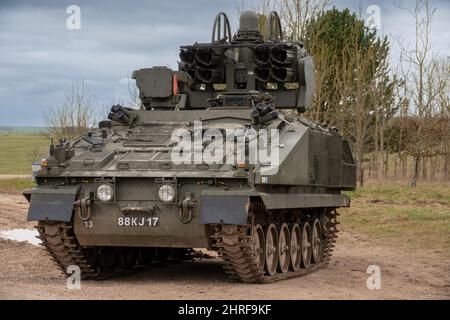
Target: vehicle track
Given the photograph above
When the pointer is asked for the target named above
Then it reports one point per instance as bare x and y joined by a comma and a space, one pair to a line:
240, 258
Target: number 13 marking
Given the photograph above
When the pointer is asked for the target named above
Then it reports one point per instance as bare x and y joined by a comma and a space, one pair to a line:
89, 224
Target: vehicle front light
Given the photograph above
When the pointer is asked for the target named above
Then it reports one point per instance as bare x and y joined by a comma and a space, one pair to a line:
105, 192
166, 193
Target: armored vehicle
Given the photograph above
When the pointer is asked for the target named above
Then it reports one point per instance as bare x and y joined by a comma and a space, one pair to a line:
218, 157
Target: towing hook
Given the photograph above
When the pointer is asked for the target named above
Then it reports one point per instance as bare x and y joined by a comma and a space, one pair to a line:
185, 207
83, 208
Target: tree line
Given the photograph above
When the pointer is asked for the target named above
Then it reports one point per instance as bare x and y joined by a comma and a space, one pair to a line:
396, 115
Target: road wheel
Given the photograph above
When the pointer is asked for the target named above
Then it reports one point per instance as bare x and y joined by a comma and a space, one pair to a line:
283, 248
316, 241
258, 243
306, 245
295, 248
271, 249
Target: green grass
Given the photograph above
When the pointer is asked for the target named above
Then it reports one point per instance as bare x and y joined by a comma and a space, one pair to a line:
17, 151
425, 193
401, 216
16, 185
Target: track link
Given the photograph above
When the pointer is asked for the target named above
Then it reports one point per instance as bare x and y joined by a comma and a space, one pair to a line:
60, 242
239, 259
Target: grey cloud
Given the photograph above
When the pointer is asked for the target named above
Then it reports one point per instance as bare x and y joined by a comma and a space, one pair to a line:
39, 57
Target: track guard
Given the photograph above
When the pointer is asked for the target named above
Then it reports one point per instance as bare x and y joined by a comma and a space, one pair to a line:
55, 204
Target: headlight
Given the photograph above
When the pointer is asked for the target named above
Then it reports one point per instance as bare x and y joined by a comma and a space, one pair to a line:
166, 193
105, 192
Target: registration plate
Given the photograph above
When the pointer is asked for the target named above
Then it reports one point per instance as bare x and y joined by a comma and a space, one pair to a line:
138, 222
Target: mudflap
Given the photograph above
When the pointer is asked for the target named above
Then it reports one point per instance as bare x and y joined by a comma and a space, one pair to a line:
224, 210
53, 204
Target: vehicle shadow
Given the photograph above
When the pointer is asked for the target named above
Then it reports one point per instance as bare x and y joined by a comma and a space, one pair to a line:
197, 270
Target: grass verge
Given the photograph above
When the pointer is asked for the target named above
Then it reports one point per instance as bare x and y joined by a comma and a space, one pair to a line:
401, 216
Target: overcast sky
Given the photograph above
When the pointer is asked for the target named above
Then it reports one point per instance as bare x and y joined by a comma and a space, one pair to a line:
40, 56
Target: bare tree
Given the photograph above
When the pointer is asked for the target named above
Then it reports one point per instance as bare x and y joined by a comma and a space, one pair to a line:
422, 92
36, 154
295, 15
75, 115
444, 110
133, 100
354, 89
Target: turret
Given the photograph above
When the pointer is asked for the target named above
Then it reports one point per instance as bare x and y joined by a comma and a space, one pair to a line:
249, 61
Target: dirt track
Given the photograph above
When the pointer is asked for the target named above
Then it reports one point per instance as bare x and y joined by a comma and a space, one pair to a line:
26, 272
14, 176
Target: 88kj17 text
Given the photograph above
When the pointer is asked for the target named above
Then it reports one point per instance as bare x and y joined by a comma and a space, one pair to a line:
137, 222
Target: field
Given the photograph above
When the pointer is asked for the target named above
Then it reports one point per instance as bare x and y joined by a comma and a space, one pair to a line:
17, 152
22, 130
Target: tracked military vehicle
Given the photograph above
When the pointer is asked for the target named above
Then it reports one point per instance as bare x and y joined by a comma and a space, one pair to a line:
150, 185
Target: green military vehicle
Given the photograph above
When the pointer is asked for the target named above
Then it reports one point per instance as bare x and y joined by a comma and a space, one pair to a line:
211, 160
